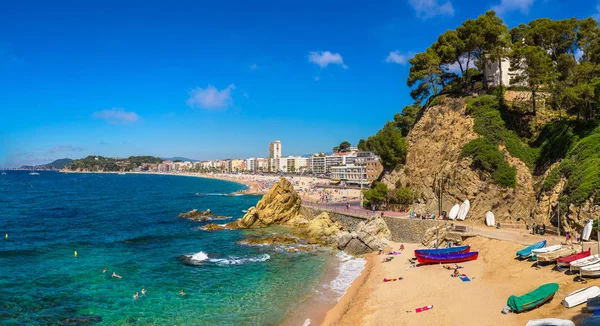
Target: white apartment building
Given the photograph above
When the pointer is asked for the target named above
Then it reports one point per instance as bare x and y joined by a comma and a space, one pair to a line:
251, 164
350, 174
275, 149
493, 75
262, 164
293, 164
274, 156
317, 164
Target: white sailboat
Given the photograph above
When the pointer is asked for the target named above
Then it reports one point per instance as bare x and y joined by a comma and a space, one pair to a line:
33, 171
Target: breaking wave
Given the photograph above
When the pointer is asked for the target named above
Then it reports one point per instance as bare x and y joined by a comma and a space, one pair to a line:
349, 270
200, 258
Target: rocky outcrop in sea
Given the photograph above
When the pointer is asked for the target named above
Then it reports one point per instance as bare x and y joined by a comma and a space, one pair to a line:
200, 216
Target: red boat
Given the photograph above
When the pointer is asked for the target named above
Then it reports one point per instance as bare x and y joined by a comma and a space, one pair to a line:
447, 258
566, 261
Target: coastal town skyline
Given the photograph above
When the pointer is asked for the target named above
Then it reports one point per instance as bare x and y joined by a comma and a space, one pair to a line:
106, 85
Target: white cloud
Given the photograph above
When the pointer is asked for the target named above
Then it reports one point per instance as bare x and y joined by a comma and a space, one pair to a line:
210, 98
325, 58
426, 9
253, 66
117, 116
66, 148
396, 57
505, 6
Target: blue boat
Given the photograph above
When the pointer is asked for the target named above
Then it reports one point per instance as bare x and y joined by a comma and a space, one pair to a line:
526, 252
447, 258
441, 251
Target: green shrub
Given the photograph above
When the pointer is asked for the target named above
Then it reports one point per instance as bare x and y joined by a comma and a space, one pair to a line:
522, 151
366, 203
379, 192
404, 196
505, 175
551, 179
485, 154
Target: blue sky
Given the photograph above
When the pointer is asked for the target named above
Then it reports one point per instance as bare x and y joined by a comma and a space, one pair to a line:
218, 79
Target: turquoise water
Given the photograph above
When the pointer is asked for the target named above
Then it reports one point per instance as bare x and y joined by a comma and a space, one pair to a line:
128, 224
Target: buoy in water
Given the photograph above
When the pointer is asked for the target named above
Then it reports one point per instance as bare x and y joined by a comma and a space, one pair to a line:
6, 236
75, 254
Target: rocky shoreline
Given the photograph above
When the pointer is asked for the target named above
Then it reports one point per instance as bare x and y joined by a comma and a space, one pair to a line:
281, 205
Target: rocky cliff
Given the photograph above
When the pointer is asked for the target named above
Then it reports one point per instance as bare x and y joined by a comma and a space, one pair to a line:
434, 164
282, 206
433, 161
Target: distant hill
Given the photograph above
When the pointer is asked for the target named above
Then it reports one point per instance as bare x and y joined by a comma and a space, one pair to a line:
94, 163
59, 164
178, 158
55, 165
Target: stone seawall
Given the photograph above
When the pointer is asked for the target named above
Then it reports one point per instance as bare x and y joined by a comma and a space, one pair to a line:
402, 229
348, 221
409, 230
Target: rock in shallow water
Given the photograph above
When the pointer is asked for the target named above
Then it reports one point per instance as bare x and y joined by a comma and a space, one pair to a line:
200, 216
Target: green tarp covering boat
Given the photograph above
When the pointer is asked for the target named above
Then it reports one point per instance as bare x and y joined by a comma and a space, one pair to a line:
532, 299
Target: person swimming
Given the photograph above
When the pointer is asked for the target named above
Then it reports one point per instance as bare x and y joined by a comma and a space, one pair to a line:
182, 292
143, 291
116, 275
104, 270
136, 296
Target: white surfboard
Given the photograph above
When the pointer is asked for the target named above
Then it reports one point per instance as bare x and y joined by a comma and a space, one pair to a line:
454, 212
464, 210
490, 219
587, 230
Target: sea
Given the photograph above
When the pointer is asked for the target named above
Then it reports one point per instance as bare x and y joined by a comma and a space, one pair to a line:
59, 231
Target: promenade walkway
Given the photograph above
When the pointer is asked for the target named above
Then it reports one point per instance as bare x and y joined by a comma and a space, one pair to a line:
353, 210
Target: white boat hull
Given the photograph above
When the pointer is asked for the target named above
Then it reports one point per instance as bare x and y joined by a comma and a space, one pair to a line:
490, 219
550, 321
454, 212
545, 250
580, 296
464, 210
587, 261
587, 230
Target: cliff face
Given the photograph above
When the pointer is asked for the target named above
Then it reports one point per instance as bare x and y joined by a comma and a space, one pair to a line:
434, 147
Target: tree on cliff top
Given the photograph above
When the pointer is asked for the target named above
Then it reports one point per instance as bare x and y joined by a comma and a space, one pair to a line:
388, 144
533, 66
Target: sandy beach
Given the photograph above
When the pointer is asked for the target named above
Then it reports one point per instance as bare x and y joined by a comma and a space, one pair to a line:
494, 277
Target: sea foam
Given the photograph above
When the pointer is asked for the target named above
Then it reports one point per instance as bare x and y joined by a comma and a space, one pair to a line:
231, 260
349, 269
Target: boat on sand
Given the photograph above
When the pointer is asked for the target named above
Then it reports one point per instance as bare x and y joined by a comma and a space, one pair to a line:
550, 322
533, 299
442, 251
591, 270
567, 260
554, 255
587, 261
526, 252
447, 258
580, 296
544, 250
